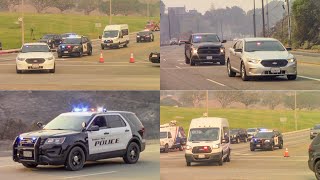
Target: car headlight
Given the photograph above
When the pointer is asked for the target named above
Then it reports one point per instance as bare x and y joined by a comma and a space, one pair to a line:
51, 58
138, 36
21, 59
216, 146
222, 50
292, 60
267, 140
55, 140
194, 51
254, 61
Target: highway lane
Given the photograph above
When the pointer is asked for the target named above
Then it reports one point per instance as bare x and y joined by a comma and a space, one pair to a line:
86, 73
147, 168
176, 75
246, 165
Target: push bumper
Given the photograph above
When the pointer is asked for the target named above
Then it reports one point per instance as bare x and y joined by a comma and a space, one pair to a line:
206, 157
208, 57
261, 146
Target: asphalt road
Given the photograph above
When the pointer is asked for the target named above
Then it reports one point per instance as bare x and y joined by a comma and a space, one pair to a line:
86, 73
147, 168
245, 165
176, 75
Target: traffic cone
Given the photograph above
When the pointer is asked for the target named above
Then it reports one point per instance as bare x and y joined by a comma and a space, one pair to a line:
286, 153
131, 58
101, 60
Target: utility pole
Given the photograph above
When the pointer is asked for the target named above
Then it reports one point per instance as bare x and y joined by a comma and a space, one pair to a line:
22, 22
289, 23
221, 28
263, 23
295, 110
169, 24
268, 17
254, 19
110, 10
148, 9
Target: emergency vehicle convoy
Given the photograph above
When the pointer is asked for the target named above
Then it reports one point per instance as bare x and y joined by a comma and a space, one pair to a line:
172, 137
83, 135
266, 140
208, 141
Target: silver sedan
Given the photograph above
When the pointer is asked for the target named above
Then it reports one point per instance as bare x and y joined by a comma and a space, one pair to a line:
261, 57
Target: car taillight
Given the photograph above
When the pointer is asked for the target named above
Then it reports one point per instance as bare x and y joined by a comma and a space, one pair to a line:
69, 46
141, 132
205, 148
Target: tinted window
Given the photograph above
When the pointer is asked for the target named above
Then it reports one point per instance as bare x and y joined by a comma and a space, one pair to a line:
205, 38
125, 32
110, 34
251, 130
133, 119
100, 121
115, 121
316, 127
264, 135
35, 48
144, 33
48, 36
70, 122
263, 46
72, 41
204, 134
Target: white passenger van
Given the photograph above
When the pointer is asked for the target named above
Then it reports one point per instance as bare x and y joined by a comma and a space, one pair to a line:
115, 36
208, 141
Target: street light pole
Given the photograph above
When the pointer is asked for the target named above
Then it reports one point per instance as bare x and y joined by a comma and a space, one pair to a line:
263, 23
289, 23
254, 19
110, 11
22, 22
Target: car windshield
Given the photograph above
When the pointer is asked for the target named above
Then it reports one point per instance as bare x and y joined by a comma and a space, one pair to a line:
252, 46
205, 38
204, 134
110, 34
72, 41
67, 35
69, 122
163, 135
251, 130
264, 135
35, 48
48, 36
144, 33
316, 127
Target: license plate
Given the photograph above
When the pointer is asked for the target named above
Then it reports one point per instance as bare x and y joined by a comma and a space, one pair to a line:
27, 153
155, 56
35, 66
209, 57
66, 51
275, 70
201, 156
108, 44
258, 145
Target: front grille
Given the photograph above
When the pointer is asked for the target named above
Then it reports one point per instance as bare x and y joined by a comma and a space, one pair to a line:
208, 50
27, 142
35, 61
274, 63
200, 149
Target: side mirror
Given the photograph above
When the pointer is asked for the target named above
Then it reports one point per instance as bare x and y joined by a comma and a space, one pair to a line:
94, 128
40, 125
238, 50
289, 48
224, 41
100, 37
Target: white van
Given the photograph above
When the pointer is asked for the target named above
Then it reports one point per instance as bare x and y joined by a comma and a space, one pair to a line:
115, 36
208, 141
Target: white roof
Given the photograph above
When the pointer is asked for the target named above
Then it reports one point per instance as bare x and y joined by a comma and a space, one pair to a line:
259, 39
36, 43
208, 122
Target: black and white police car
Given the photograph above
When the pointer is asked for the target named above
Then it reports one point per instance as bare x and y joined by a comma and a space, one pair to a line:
75, 137
75, 46
266, 140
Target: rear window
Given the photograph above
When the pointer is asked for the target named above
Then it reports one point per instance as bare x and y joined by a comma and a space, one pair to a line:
316, 140
132, 118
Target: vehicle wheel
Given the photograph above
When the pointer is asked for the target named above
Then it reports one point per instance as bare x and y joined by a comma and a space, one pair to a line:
75, 160
102, 47
126, 44
220, 162
252, 149
52, 70
243, 73
181, 148
272, 147
238, 140
245, 140
133, 153
29, 165
292, 77
18, 71
118, 46
228, 158
59, 55
187, 60
222, 62
192, 62
188, 163
230, 72
90, 52
317, 169
80, 54
281, 146
166, 148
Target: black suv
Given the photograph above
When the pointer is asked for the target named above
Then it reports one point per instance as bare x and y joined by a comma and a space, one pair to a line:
75, 46
145, 36
314, 156
154, 57
204, 47
266, 140
53, 40
238, 135
73, 138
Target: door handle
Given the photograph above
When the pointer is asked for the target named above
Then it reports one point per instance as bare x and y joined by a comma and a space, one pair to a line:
127, 130
106, 133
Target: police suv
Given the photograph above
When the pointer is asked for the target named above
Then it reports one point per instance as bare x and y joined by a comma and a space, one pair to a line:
75, 46
73, 138
266, 140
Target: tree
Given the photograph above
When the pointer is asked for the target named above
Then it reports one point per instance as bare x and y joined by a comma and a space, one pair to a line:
169, 101
226, 98
308, 100
8, 4
192, 98
40, 5
248, 98
88, 6
63, 4
272, 99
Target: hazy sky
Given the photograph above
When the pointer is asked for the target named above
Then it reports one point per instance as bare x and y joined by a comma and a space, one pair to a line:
204, 5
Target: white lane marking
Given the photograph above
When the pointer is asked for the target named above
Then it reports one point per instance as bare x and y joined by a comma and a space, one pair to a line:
71, 177
164, 59
215, 82
7, 165
315, 79
178, 67
182, 63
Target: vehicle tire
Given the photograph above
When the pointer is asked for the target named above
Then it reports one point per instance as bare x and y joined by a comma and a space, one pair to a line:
52, 70
317, 170
252, 149
230, 72
29, 165
187, 60
192, 62
228, 158
166, 148
75, 159
188, 163
243, 73
272, 147
238, 140
118, 46
292, 77
126, 44
102, 47
18, 71
220, 162
80, 54
90, 52
222, 62
245, 140
132, 154
59, 55
281, 146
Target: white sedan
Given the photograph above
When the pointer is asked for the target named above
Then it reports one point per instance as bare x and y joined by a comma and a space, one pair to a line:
35, 56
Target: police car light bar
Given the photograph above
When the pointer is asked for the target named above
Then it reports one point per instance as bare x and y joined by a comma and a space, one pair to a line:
99, 109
